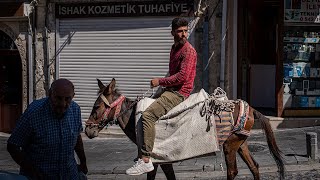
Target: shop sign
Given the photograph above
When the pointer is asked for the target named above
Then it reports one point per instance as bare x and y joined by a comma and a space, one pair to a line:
14, 1
121, 9
305, 11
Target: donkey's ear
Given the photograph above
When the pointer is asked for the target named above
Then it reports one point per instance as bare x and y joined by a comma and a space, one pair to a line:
112, 85
100, 84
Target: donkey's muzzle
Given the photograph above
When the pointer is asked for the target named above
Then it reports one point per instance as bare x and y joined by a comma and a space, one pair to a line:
91, 131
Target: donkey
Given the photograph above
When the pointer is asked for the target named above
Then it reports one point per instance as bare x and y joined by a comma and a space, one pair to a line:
111, 106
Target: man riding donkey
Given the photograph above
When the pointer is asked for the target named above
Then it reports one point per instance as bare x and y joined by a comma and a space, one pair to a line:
178, 86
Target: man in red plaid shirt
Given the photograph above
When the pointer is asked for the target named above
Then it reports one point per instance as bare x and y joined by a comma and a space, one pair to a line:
178, 86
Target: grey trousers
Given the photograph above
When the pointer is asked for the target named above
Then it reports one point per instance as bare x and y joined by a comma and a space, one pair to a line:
160, 107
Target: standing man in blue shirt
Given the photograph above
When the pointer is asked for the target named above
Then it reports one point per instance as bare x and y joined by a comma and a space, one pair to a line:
47, 134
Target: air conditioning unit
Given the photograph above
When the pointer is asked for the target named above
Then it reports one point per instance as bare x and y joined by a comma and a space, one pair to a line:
26, 9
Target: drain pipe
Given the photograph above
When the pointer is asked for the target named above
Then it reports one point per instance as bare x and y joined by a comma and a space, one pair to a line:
235, 50
205, 54
30, 70
34, 4
223, 44
30, 52
46, 47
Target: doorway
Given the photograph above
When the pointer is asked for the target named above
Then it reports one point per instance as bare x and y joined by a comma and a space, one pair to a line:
258, 57
10, 83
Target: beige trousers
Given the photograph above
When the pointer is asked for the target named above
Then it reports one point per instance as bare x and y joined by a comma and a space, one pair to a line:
160, 107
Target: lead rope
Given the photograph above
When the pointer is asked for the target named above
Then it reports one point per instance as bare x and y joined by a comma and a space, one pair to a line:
131, 105
215, 104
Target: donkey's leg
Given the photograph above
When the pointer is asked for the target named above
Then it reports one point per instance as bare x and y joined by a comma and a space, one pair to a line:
230, 148
248, 159
168, 171
152, 175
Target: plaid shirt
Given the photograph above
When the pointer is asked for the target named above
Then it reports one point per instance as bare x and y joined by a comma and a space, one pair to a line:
182, 69
47, 141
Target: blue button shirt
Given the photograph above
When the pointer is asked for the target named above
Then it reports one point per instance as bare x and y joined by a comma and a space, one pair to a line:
47, 141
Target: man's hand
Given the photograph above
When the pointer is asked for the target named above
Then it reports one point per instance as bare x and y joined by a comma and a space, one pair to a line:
31, 170
154, 83
19, 157
81, 155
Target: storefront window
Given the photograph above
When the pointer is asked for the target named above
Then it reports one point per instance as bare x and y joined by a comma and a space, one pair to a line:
301, 58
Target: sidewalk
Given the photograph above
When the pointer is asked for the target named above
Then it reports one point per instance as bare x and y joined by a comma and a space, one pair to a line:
109, 155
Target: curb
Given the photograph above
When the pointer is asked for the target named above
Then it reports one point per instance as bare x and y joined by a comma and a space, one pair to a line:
289, 122
187, 174
2, 134
277, 124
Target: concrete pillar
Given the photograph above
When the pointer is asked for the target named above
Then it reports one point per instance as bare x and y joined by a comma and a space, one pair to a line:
312, 145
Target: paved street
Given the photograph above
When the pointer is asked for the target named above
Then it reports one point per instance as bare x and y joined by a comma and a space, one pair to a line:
109, 156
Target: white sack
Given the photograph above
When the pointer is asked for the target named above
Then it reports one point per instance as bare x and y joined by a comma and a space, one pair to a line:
182, 133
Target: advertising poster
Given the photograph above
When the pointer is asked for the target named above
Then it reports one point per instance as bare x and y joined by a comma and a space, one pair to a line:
302, 11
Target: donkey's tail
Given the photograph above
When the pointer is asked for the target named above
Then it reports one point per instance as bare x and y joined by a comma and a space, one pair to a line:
274, 150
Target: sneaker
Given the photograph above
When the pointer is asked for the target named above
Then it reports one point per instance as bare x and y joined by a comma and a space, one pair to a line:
140, 167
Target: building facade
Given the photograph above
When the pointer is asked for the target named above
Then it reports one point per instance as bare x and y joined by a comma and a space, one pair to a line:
130, 41
278, 56
14, 47
242, 47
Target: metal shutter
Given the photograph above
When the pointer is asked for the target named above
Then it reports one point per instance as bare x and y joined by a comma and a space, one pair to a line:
131, 50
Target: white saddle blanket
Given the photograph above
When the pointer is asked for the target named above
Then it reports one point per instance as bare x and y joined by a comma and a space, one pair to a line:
182, 133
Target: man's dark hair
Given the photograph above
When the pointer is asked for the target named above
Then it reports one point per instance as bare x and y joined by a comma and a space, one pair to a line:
178, 22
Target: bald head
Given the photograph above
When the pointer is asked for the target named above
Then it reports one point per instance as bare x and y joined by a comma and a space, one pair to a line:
61, 83
61, 94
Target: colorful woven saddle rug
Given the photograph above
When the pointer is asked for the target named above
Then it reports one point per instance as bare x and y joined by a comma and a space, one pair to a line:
226, 125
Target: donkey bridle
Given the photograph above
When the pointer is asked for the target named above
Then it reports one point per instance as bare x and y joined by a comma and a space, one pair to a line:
117, 103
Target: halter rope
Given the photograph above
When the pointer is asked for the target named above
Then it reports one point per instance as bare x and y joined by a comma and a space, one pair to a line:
216, 103
130, 106
117, 103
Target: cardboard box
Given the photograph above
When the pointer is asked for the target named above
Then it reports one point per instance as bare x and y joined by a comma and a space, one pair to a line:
318, 101
304, 101
305, 84
317, 47
312, 101
301, 69
317, 56
296, 101
299, 92
312, 85
288, 70
313, 72
312, 92
317, 84
296, 85
287, 100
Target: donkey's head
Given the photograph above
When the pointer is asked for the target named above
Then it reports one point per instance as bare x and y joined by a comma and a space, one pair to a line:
105, 109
